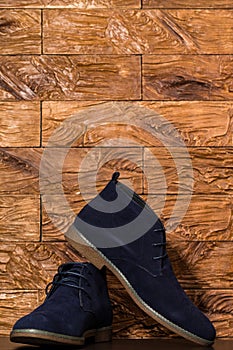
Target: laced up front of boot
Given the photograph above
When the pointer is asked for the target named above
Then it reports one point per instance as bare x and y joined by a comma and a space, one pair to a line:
67, 278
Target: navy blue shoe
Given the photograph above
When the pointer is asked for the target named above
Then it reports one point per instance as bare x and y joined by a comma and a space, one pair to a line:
77, 307
119, 230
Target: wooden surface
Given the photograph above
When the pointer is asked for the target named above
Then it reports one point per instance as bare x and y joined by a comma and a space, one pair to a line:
200, 123
70, 77
189, 77
153, 31
20, 124
20, 32
82, 4
60, 60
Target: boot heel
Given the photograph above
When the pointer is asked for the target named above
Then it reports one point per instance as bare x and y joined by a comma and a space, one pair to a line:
76, 241
103, 335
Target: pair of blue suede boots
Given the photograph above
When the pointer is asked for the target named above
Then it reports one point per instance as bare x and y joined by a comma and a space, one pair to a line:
117, 230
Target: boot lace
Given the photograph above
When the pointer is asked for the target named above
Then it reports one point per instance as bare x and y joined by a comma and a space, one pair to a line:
162, 244
66, 278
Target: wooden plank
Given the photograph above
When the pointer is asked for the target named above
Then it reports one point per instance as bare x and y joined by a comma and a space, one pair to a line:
19, 124
138, 32
208, 217
198, 123
197, 265
89, 123
19, 170
187, 77
83, 4
187, 4
129, 320
19, 218
20, 32
70, 77
212, 170
19, 174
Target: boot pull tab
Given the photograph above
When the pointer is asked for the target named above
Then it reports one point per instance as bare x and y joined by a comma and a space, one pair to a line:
115, 176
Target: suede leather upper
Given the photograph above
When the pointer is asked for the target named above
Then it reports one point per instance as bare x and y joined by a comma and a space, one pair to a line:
71, 311
142, 261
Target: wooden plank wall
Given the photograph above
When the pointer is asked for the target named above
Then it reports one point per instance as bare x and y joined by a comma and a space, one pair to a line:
175, 58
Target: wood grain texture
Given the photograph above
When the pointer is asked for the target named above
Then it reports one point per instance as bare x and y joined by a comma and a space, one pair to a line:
19, 124
202, 264
91, 124
81, 165
20, 32
19, 218
208, 217
38, 266
129, 320
56, 219
83, 4
70, 77
211, 167
187, 4
189, 77
198, 123
138, 31
55, 115
19, 170
209, 266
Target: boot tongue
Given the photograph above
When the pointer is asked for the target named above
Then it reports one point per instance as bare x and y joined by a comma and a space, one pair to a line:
74, 267
70, 266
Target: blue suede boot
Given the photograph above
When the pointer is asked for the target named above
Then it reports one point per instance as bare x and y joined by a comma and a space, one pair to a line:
119, 230
77, 307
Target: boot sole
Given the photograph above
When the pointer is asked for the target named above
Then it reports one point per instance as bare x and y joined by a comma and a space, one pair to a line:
39, 337
97, 258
